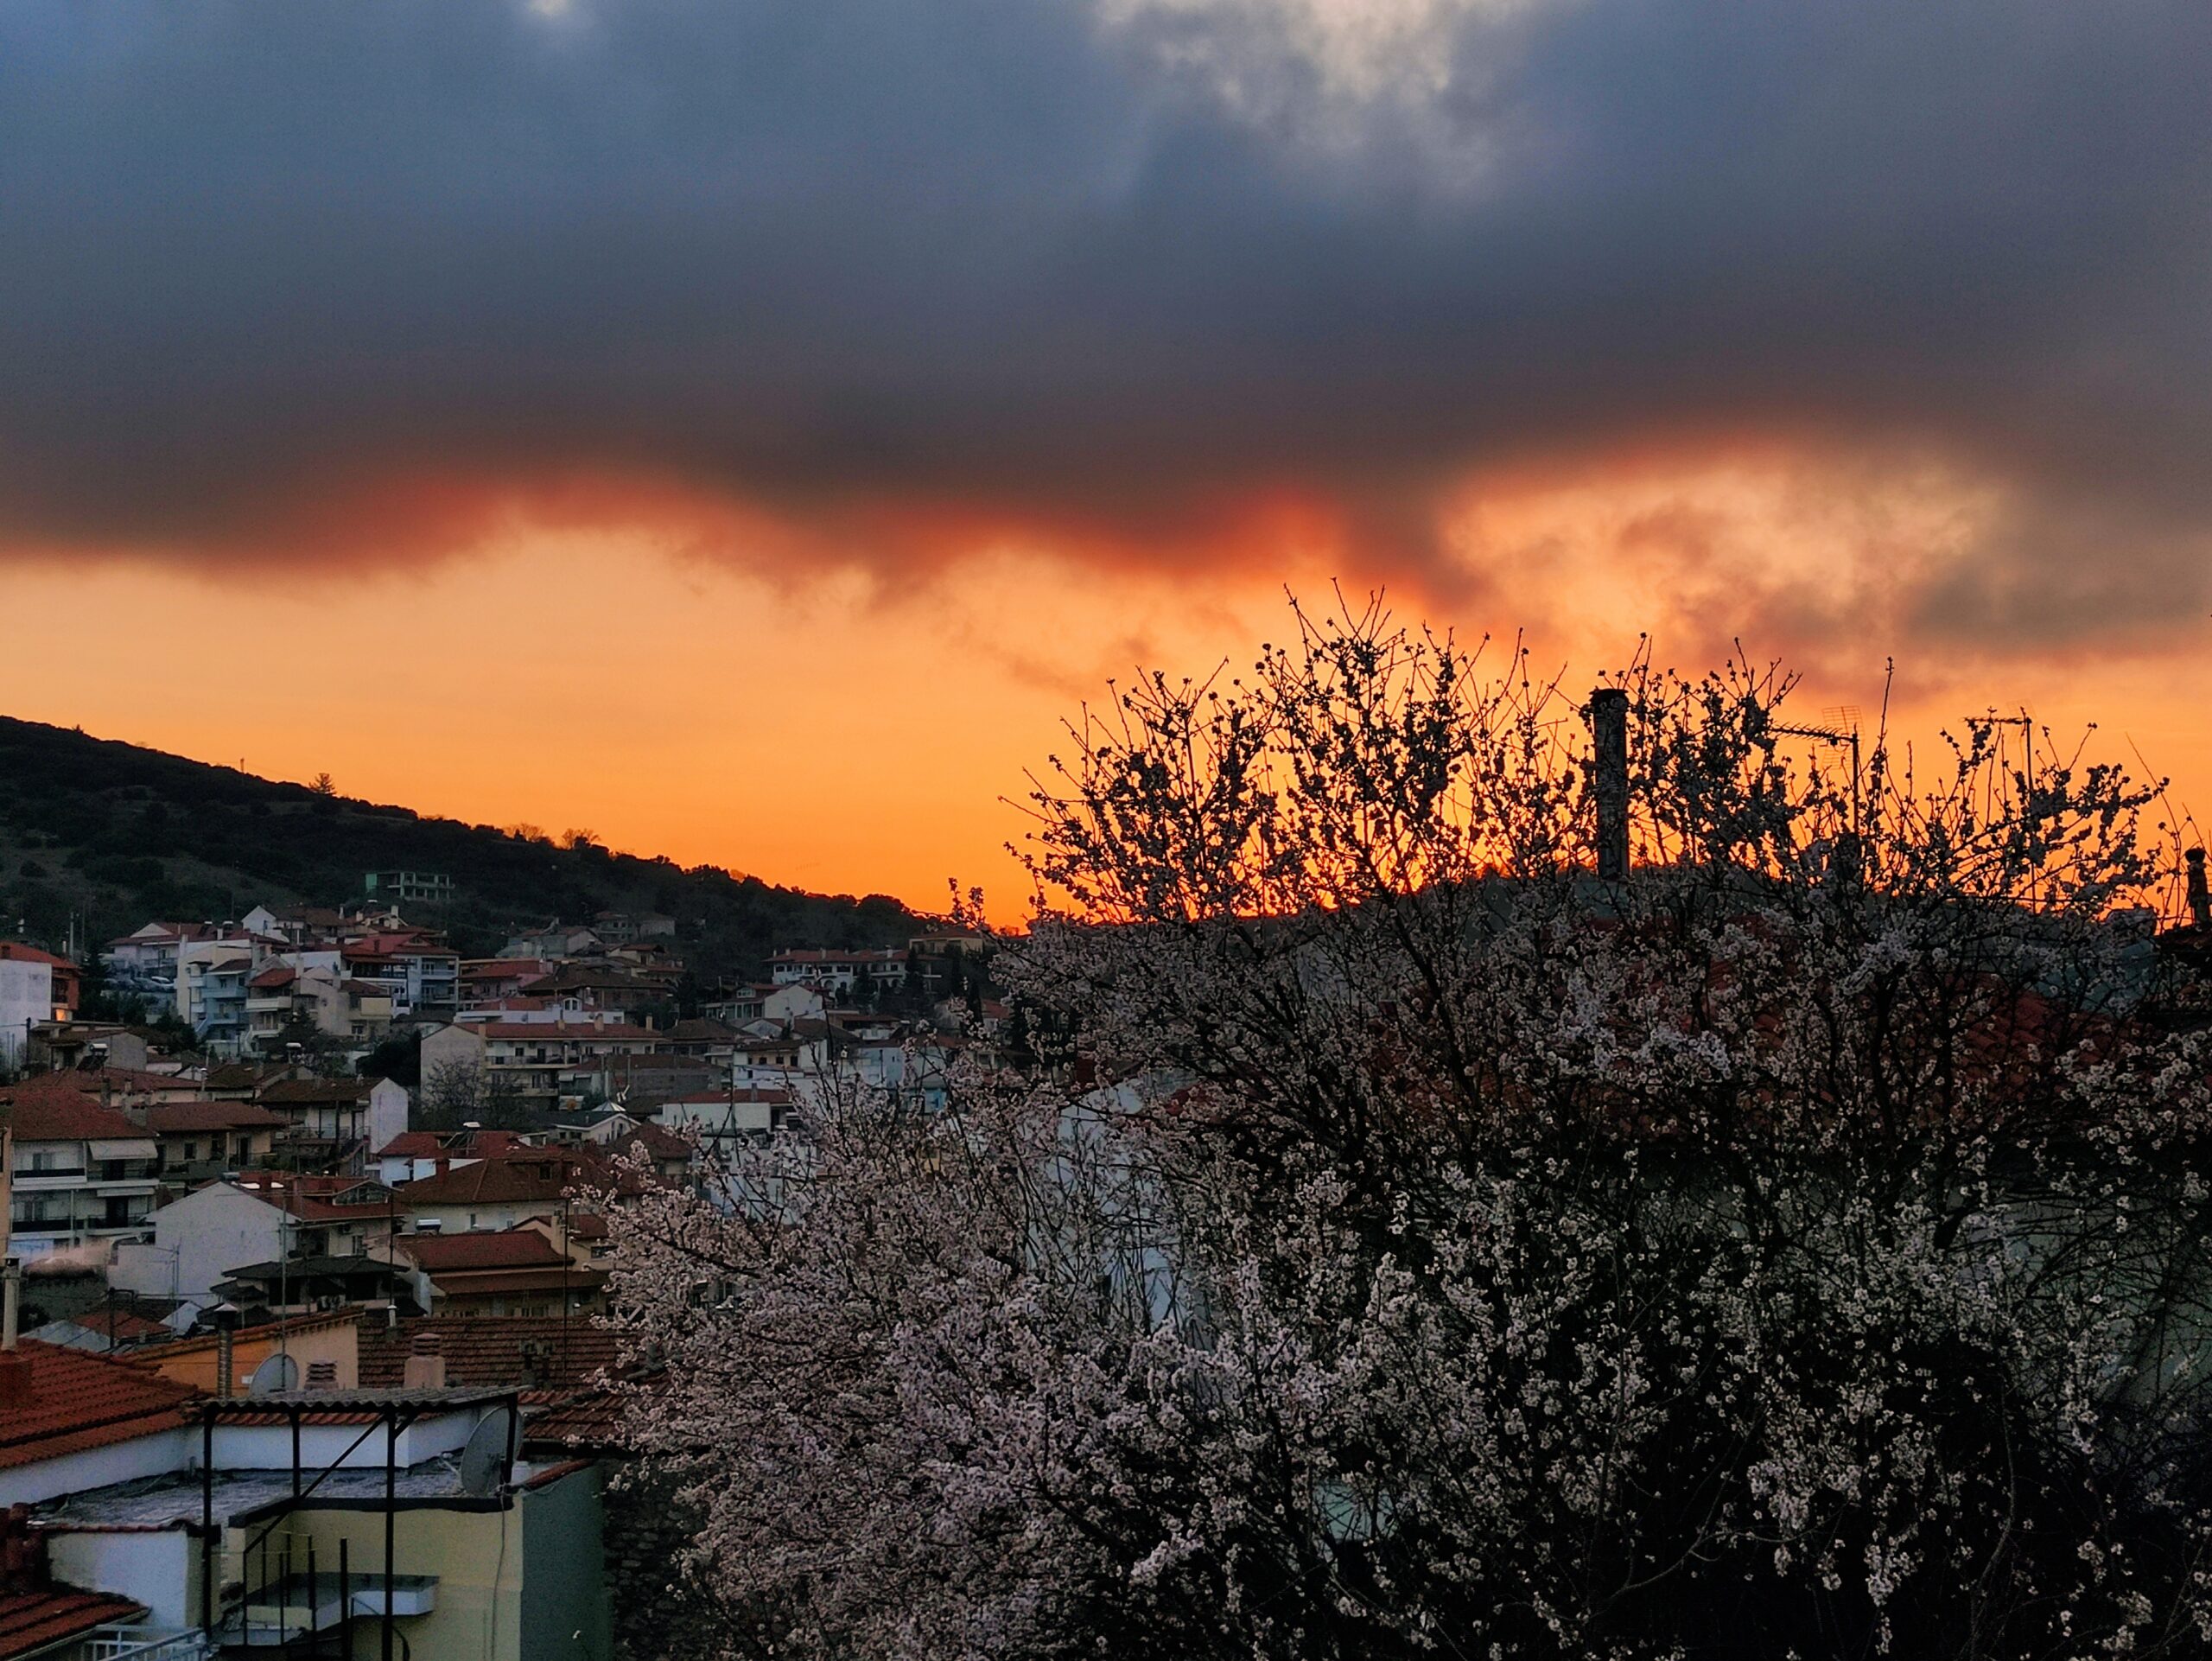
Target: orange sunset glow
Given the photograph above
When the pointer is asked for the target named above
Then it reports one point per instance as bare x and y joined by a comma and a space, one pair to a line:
748, 435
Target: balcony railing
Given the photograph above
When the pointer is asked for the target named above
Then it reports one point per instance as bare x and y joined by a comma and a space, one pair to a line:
145, 1643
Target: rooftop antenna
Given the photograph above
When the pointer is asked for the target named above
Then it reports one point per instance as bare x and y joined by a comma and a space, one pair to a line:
489, 1454
1844, 731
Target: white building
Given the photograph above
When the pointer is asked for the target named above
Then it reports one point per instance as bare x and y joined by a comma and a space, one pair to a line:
81, 1173
26, 1001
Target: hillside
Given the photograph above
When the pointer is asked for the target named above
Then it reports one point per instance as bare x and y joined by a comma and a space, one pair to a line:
117, 834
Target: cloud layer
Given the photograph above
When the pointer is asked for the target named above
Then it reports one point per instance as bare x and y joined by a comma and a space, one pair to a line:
862, 283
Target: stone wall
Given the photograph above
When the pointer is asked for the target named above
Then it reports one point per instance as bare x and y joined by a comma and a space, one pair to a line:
658, 1615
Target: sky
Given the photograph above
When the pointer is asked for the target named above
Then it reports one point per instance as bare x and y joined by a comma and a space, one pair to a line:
744, 429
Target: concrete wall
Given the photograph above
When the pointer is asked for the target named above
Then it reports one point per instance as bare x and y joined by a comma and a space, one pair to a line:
95, 1468
388, 1106
158, 1566
25, 999
211, 1231
514, 1584
198, 1363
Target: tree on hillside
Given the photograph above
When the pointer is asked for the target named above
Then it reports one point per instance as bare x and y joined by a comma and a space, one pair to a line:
1793, 1245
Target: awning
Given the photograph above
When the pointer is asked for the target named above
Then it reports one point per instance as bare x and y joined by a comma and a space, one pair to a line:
134, 1148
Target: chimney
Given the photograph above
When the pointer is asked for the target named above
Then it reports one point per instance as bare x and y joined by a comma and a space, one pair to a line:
1608, 715
15, 1364
223, 1362
426, 1366
2200, 898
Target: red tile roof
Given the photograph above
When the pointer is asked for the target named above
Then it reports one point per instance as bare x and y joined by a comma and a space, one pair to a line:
49, 1108
507, 1249
562, 1031
543, 1174
31, 1621
89, 1080
178, 1118
310, 1091
574, 1281
458, 1144
658, 1140
489, 1351
77, 1400
22, 953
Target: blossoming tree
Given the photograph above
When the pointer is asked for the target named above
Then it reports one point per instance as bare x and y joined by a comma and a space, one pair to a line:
1391, 1238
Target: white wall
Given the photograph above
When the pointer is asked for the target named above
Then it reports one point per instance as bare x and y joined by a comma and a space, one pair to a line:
119, 1462
26, 998
387, 1113
269, 1448
156, 1567
211, 1231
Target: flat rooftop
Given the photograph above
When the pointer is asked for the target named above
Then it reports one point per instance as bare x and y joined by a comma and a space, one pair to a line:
240, 1497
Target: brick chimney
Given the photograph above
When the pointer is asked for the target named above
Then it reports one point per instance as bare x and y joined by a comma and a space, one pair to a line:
426, 1363
2200, 898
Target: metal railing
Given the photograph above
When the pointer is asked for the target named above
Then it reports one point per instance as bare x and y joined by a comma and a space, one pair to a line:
138, 1644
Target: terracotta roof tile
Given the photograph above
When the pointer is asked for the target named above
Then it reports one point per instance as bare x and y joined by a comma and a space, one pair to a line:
31, 1621
507, 1248
177, 1119
77, 1400
479, 1350
51, 1109
543, 1174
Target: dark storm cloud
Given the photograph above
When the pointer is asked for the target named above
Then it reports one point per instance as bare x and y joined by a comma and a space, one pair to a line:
425, 261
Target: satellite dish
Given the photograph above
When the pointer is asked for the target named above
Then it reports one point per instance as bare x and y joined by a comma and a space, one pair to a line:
274, 1377
484, 1461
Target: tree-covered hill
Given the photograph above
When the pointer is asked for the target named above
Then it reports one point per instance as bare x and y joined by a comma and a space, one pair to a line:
117, 834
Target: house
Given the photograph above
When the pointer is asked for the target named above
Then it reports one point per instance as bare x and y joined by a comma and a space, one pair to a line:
487, 981
583, 1235
723, 1118
210, 986
334, 1122
840, 971
35, 987
325, 1346
513, 1272
418, 975
81, 1173
103, 1330
202, 1238
299, 924
525, 1060
555, 941
408, 888
616, 1134
586, 986
794, 1001
64, 1044
498, 1193
293, 1287
622, 927
72, 1420
201, 1140
283, 1532
416, 1154
639, 1082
